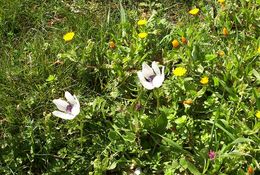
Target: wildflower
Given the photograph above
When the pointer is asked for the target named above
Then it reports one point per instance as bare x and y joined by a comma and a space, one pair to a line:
204, 80
212, 155
187, 102
149, 77
175, 43
179, 71
194, 11
184, 40
137, 171
68, 36
225, 31
250, 169
221, 1
68, 109
142, 35
112, 45
142, 22
221, 53
258, 50
257, 114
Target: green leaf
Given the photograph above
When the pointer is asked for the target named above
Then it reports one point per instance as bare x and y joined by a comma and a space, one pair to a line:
181, 120
238, 140
241, 140
112, 166
210, 57
174, 145
256, 74
51, 78
71, 55
226, 131
129, 137
216, 81
187, 165
228, 89
160, 124
112, 135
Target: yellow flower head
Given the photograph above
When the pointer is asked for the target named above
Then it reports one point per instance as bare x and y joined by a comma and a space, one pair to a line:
142, 22
179, 71
225, 31
258, 50
187, 102
194, 11
221, 53
142, 35
112, 44
257, 114
204, 80
68, 36
175, 43
221, 1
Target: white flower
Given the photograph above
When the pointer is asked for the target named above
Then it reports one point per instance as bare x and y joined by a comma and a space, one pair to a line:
68, 109
137, 171
149, 77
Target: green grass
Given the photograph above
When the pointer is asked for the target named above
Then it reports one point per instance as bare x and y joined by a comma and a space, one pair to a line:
123, 126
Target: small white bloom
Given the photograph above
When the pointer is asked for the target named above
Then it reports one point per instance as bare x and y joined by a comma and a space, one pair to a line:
149, 77
68, 109
137, 171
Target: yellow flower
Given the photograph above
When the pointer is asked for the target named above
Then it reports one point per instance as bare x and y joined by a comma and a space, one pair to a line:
142, 22
221, 1
225, 31
175, 43
258, 50
112, 44
68, 36
257, 114
187, 102
221, 53
204, 80
194, 11
179, 71
142, 35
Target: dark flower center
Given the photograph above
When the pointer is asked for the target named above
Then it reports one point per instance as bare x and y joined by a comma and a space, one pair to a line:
150, 78
69, 108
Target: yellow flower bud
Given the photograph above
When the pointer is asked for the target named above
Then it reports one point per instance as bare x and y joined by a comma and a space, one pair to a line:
184, 40
225, 31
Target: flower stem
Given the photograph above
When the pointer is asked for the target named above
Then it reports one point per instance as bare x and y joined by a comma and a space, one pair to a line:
81, 133
157, 96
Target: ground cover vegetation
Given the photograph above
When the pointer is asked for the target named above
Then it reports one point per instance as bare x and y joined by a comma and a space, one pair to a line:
129, 87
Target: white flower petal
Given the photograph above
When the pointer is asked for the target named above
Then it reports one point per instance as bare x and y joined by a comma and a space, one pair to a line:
63, 115
163, 72
75, 109
158, 80
147, 71
144, 82
70, 98
137, 171
61, 104
156, 68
